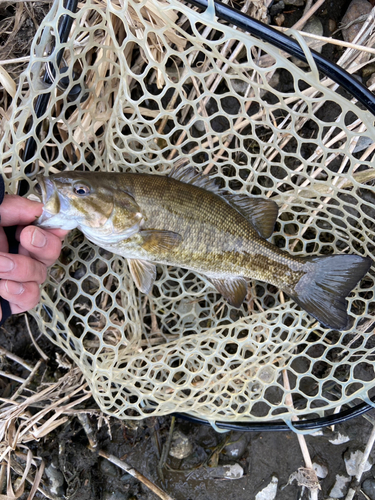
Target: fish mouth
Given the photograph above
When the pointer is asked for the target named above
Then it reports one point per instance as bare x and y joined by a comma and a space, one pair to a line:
50, 199
45, 188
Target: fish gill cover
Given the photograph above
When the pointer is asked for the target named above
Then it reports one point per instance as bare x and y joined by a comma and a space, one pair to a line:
164, 85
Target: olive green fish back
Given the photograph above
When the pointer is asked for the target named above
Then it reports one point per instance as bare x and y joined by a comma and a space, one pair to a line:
163, 85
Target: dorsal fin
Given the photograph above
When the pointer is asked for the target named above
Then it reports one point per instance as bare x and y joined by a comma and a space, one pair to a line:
190, 176
261, 212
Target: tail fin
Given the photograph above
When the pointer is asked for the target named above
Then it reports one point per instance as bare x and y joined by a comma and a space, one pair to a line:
323, 289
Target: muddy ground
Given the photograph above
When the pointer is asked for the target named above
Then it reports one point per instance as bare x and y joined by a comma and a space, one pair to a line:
262, 455
85, 475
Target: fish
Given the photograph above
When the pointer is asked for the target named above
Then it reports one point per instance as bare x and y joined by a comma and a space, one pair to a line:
184, 219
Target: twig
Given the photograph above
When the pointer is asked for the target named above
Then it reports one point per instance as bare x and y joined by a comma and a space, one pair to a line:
42, 354
333, 41
299, 24
15, 61
85, 422
370, 443
14, 357
130, 470
12, 377
27, 381
166, 448
300, 437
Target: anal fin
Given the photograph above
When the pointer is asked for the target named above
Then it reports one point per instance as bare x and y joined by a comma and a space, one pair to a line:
143, 273
232, 289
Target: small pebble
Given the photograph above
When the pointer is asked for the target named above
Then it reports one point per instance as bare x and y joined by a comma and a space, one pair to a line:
269, 492
339, 488
242, 86
237, 448
277, 8
362, 144
126, 478
353, 460
320, 467
368, 71
197, 457
107, 468
315, 27
332, 25
266, 372
368, 486
181, 446
317, 433
339, 438
234, 471
371, 80
200, 125
279, 19
356, 9
56, 479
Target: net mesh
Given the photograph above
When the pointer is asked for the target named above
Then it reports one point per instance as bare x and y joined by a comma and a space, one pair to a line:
163, 84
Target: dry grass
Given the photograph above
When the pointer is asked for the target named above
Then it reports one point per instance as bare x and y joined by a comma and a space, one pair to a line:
29, 415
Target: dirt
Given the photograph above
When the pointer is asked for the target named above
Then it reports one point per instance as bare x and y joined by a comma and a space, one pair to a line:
262, 455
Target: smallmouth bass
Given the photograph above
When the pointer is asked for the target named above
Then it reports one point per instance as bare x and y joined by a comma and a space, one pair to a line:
185, 220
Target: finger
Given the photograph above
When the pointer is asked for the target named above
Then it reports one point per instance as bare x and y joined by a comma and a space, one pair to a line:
17, 210
21, 268
41, 245
60, 233
21, 296
4, 247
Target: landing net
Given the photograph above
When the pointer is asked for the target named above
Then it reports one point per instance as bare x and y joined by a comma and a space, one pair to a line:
162, 84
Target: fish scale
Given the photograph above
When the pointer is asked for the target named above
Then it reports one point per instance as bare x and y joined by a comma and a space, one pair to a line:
216, 239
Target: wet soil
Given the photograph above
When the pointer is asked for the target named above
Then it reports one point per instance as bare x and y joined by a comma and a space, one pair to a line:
262, 455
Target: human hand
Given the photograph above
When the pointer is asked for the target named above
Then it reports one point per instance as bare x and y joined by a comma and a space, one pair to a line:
22, 273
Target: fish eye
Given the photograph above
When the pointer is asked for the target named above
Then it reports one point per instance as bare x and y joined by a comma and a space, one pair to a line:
81, 189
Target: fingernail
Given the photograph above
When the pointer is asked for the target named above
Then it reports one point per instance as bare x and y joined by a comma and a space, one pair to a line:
6, 264
38, 239
13, 287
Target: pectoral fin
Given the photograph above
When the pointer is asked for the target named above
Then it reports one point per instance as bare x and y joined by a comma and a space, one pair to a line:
143, 273
155, 241
233, 289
